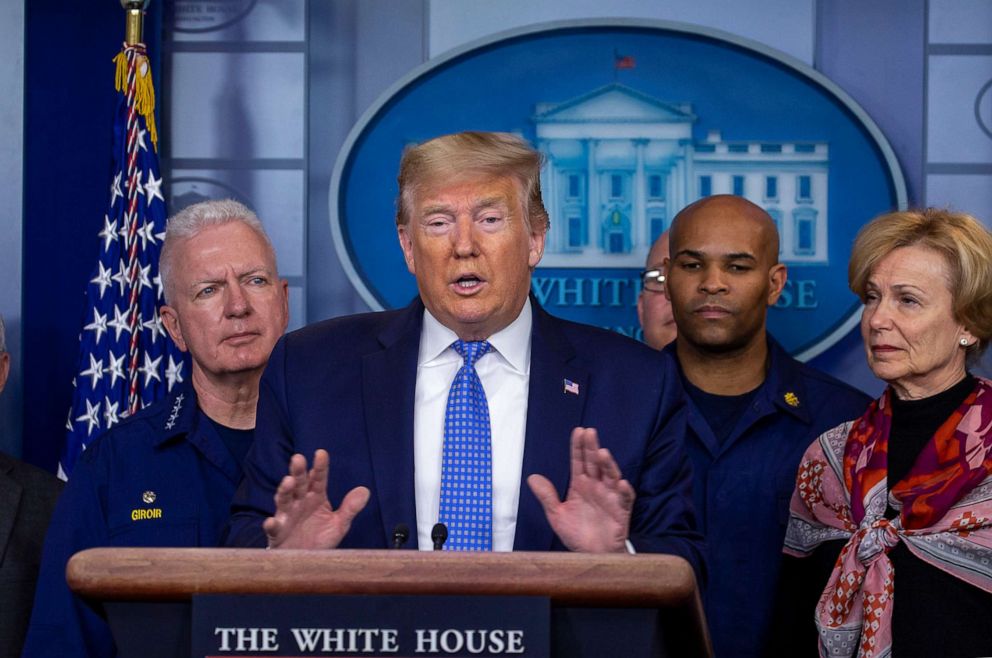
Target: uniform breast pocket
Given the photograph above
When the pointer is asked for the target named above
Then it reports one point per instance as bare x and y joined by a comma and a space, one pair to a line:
150, 533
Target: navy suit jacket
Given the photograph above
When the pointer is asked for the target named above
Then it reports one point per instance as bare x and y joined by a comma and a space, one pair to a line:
348, 384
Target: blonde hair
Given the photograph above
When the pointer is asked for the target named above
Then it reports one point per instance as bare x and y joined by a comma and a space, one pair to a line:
961, 239
466, 153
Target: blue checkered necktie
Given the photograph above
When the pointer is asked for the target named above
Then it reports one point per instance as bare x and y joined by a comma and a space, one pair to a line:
466, 463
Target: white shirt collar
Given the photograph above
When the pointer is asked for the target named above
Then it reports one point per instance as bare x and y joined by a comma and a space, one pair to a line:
512, 343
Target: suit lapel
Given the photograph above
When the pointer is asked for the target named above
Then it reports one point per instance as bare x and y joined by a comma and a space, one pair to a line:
389, 383
552, 413
10, 500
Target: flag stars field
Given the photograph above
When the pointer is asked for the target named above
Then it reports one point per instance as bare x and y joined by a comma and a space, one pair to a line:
121, 324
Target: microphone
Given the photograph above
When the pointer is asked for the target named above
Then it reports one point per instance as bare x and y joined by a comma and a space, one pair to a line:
401, 533
439, 535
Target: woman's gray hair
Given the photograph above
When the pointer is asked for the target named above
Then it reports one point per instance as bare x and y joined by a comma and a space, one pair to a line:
192, 219
3, 336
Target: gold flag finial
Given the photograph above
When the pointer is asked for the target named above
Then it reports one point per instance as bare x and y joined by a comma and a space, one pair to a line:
134, 71
135, 17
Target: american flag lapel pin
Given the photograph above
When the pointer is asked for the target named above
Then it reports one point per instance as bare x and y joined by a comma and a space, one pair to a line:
571, 387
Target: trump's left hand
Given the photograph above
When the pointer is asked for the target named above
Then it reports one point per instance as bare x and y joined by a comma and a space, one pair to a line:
595, 515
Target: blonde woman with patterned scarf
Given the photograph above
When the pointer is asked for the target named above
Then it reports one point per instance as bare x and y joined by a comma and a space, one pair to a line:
890, 529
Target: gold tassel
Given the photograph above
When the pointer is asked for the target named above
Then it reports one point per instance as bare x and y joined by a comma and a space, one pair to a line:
144, 90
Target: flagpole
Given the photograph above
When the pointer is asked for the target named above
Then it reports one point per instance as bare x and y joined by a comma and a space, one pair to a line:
136, 60
135, 10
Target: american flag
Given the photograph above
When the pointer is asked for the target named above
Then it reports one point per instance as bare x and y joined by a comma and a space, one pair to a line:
126, 360
623, 61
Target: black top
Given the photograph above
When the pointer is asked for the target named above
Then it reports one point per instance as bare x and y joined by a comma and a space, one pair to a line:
934, 613
237, 441
914, 422
721, 412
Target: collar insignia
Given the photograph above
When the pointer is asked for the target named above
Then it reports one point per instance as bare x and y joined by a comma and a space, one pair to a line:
791, 399
174, 414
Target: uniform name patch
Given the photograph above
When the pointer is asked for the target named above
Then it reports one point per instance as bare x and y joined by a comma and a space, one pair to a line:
143, 514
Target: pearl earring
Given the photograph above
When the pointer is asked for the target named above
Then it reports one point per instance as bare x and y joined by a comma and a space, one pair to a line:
964, 342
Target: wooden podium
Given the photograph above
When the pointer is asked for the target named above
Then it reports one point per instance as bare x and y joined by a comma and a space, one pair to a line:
150, 590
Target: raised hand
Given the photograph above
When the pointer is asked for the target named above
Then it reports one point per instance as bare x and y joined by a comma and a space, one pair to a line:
304, 518
595, 515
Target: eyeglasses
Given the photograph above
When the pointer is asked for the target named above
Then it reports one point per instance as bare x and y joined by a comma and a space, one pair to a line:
653, 280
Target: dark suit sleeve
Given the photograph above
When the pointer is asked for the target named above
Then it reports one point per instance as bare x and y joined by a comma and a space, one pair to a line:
62, 624
663, 520
267, 461
27, 499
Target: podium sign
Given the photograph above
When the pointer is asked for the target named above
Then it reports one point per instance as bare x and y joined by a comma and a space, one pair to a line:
401, 626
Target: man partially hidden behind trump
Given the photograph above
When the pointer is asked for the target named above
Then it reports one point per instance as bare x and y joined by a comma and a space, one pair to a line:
434, 413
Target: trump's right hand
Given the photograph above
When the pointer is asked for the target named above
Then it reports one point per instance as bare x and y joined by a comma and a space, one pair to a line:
304, 518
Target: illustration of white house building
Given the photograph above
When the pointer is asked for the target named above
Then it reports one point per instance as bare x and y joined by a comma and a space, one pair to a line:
620, 164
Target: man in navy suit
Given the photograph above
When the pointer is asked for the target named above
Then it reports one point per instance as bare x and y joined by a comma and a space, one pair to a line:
366, 395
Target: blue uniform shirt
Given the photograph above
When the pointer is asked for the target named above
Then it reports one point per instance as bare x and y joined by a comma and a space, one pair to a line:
161, 478
742, 488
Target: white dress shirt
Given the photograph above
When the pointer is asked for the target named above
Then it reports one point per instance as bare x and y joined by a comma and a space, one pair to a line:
505, 376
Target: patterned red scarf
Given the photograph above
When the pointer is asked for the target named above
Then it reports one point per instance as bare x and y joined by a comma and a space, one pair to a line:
947, 495
951, 464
